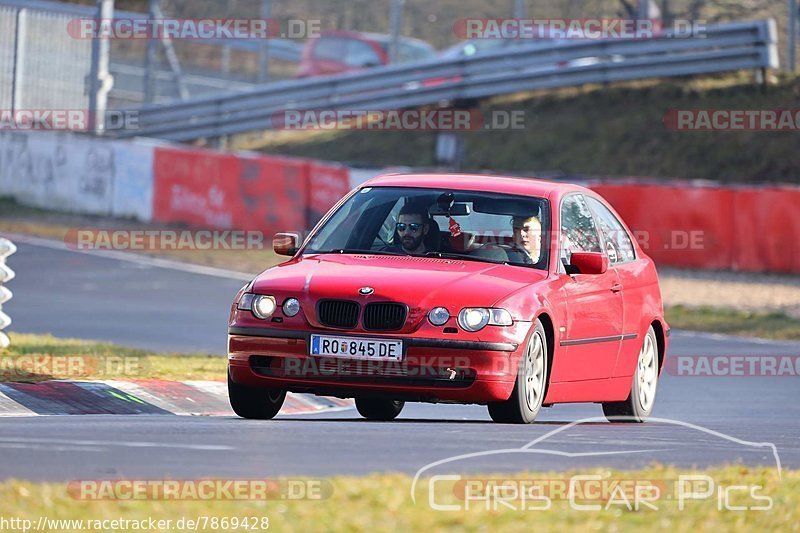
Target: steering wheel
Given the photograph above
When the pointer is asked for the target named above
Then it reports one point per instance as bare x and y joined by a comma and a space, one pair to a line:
510, 250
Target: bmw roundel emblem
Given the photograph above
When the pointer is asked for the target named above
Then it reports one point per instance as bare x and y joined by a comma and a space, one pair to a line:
365, 291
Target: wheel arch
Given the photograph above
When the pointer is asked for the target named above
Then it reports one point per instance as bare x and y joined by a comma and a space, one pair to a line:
661, 342
550, 337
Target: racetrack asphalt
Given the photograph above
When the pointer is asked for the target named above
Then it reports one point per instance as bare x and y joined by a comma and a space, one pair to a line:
704, 420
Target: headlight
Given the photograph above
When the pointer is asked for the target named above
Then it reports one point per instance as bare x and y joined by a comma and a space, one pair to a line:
476, 318
264, 306
439, 316
473, 319
291, 307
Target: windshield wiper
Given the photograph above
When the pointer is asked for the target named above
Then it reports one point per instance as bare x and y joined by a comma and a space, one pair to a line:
446, 255
357, 251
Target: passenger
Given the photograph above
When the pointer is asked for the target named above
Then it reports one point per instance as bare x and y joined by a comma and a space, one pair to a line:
528, 237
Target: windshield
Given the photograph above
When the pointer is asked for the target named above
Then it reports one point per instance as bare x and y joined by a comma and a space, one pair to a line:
468, 225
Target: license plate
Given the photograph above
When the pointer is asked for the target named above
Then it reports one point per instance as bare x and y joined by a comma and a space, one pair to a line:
356, 348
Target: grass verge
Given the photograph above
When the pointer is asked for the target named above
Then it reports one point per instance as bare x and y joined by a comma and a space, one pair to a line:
34, 358
383, 503
774, 325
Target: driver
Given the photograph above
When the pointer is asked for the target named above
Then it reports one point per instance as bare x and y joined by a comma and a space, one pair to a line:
528, 236
413, 225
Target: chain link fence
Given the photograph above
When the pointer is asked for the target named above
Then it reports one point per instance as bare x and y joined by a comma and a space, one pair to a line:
41, 66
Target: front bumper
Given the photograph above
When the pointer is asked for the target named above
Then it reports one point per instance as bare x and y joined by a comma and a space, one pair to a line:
464, 370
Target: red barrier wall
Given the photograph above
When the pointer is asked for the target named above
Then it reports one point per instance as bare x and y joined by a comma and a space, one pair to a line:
752, 229
328, 182
194, 187
229, 191
767, 230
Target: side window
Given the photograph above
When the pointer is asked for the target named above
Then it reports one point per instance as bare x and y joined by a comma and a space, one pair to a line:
618, 243
361, 54
578, 230
330, 49
406, 53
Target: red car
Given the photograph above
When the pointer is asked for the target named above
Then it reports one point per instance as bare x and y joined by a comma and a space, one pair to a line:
510, 292
335, 52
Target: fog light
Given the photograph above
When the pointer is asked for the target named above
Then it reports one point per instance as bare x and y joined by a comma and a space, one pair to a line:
439, 316
291, 307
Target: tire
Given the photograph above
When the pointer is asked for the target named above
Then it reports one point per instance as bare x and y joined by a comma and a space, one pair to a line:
526, 400
253, 402
379, 409
639, 404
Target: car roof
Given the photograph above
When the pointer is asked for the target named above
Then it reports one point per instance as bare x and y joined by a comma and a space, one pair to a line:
477, 182
380, 38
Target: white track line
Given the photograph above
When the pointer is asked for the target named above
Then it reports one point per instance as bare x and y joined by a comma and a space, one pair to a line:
131, 257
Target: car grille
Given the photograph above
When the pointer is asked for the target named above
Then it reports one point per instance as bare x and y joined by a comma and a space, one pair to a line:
384, 316
338, 313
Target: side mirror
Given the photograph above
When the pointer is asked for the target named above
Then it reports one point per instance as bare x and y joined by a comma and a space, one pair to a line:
589, 262
286, 243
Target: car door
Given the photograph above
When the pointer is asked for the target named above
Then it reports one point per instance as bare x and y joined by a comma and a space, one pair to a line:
328, 55
592, 336
622, 258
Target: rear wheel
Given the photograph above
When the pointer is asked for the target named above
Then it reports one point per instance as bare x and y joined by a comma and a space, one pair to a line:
639, 404
526, 399
379, 409
254, 402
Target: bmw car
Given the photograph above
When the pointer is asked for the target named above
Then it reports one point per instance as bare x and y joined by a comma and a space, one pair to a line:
513, 293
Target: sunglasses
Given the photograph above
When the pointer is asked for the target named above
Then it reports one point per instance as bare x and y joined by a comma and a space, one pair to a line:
401, 227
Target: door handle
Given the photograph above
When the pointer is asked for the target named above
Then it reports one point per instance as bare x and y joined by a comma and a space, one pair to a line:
616, 287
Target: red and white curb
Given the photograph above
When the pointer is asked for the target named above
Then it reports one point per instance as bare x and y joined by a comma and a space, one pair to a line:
151, 396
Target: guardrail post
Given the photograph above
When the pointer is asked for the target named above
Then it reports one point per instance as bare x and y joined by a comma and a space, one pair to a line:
100, 79
792, 33
7, 248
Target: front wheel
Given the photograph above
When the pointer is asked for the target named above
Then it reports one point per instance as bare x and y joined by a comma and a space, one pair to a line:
639, 404
379, 409
529, 390
253, 402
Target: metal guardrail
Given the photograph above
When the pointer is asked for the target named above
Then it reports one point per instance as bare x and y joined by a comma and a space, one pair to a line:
7, 248
723, 48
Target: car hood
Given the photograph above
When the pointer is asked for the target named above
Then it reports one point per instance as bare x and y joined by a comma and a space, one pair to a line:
420, 282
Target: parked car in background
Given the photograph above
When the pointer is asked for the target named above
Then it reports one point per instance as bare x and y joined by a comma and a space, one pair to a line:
472, 47
335, 52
